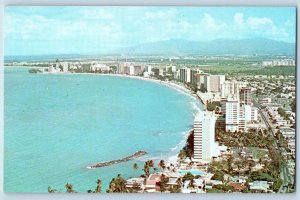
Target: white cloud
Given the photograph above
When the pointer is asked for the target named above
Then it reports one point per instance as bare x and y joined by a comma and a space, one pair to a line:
211, 24
239, 18
137, 25
93, 14
255, 22
160, 15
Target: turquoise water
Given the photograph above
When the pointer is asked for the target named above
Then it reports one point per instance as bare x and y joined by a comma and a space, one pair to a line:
55, 125
192, 171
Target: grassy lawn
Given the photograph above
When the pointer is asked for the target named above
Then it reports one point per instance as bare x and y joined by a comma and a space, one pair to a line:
213, 190
258, 153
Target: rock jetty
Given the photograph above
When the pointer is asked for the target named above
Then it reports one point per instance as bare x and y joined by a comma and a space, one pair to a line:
112, 162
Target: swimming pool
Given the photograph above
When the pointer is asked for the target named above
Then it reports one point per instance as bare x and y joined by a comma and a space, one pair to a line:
192, 171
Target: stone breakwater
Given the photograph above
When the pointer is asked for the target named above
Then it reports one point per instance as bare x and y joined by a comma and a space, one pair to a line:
112, 162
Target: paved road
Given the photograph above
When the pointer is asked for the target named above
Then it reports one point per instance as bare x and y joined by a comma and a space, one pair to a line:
283, 170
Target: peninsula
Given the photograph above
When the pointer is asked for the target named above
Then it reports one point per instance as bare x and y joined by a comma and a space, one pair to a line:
112, 162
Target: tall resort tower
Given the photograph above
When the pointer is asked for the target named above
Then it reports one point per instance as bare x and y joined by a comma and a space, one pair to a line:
204, 136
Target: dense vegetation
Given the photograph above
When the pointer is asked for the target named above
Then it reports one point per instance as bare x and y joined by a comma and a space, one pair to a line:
252, 138
293, 105
211, 106
246, 70
188, 149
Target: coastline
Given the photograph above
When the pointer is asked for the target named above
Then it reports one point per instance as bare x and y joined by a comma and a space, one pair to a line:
170, 84
172, 158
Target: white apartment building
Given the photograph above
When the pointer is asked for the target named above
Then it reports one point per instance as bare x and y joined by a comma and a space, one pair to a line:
174, 68
131, 70
237, 85
188, 75
227, 88
282, 62
204, 136
232, 114
213, 83
99, 66
254, 114
185, 75
250, 113
245, 98
149, 69
200, 78
65, 67
247, 111
51, 68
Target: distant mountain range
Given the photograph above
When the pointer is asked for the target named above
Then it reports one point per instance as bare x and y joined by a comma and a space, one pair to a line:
177, 47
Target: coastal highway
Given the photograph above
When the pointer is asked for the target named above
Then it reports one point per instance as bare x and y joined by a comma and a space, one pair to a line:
283, 171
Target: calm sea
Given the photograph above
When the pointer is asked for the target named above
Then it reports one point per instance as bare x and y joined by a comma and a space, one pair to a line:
55, 125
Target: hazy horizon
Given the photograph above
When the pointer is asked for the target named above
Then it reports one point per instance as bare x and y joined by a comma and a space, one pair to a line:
35, 30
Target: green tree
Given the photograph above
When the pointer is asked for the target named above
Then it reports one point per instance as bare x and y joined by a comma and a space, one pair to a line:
281, 112
163, 183
175, 189
69, 188
218, 175
98, 188
202, 88
147, 166
293, 105
117, 185
135, 166
211, 106
182, 154
277, 184
51, 190
162, 165
188, 176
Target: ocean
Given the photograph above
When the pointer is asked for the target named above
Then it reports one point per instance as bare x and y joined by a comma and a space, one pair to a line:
57, 124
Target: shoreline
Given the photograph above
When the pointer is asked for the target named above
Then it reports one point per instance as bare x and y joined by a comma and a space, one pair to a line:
172, 158
170, 84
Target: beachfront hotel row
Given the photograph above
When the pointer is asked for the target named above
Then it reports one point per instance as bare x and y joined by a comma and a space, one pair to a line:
234, 110
249, 106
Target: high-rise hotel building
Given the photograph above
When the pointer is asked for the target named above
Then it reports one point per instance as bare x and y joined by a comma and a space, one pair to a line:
245, 98
232, 117
213, 83
204, 136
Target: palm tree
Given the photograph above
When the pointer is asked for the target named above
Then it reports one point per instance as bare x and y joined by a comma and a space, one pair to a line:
179, 182
191, 184
151, 163
135, 166
51, 190
118, 185
69, 188
147, 168
98, 188
163, 183
162, 165
229, 164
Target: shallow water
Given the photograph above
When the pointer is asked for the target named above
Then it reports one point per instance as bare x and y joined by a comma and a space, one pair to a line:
55, 125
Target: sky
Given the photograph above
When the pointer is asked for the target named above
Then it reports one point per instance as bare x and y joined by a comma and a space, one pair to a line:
96, 30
